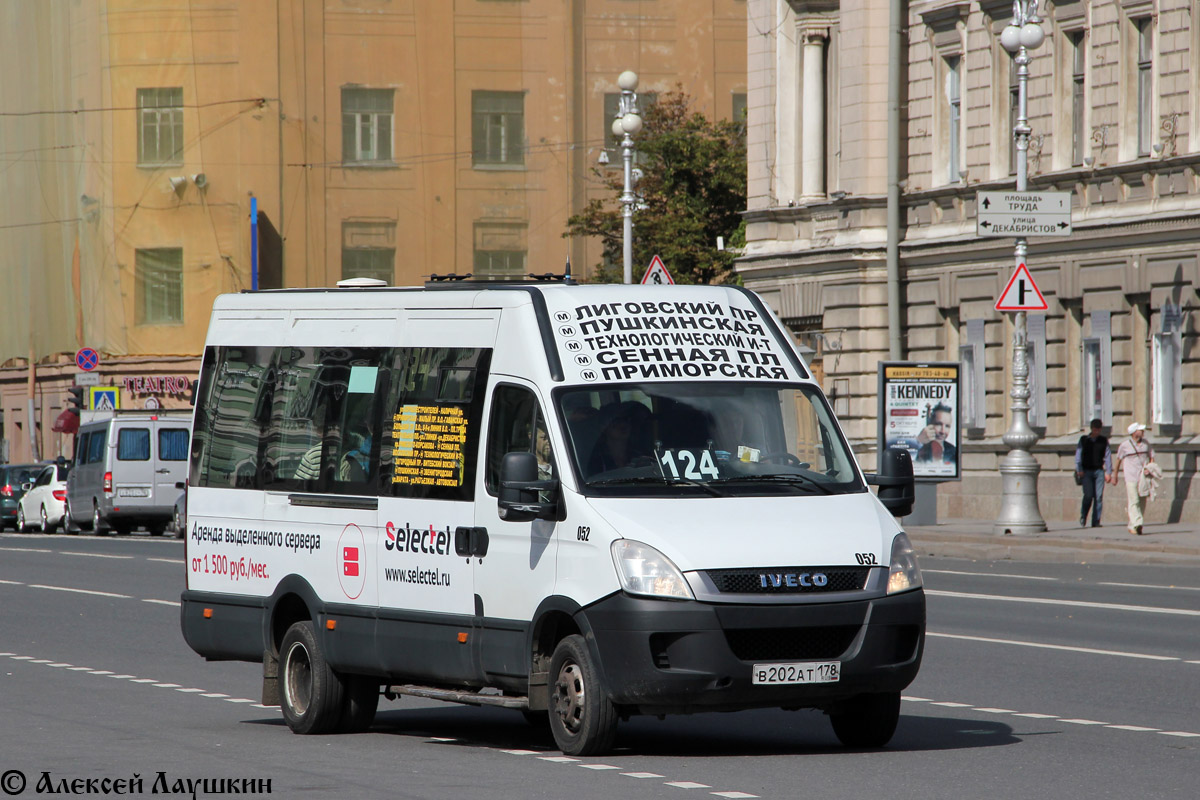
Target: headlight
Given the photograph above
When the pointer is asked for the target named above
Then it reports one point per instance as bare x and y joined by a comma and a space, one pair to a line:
643, 570
904, 574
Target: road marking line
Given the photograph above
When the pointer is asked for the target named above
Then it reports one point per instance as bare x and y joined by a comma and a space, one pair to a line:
40, 661
1137, 728
598, 766
915, 699
122, 677
144, 680
1032, 715
1090, 650
1180, 733
80, 669
733, 795
1084, 722
92, 555
435, 738
687, 785
168, 560
642, 775
60, 665
238, 700
260, 705
100, 672
989, 575
521, 752
952, 705
190, 691
166, 685
1149, 586
1187, 612
1192, 662
161, 602
558, 759
78, 591
26, 550
996, 710
214, 694
22, 658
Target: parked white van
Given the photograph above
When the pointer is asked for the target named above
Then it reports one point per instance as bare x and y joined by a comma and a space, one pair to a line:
125, 473
584, 502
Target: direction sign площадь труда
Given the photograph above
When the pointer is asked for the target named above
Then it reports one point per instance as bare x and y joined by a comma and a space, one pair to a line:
1021, 214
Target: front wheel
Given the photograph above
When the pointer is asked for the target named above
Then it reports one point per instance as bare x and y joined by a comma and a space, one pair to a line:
582, 718
868, 720
312, 695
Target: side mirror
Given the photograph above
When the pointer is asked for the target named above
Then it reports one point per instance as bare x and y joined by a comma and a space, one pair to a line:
897, 489
25, 487
521, 491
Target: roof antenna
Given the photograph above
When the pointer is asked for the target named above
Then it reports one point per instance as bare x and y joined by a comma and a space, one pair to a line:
567, 273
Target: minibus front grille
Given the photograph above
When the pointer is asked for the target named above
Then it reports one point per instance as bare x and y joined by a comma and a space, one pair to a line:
789, 580
788, 644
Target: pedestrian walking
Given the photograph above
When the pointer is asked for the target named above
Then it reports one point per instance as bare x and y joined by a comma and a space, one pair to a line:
1134, 457
1093, 469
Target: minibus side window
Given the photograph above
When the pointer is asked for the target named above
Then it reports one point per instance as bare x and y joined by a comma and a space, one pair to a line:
172, 444
231, 405
133, 444
433, 413
517, 426
96, 446
81, 449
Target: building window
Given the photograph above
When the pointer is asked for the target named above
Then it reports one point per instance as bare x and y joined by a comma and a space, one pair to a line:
369, 250
1167, 355
739, 110
500, 250
159, 282
954, 107
498, 128
1078, 98
971, 354
1145, 85
367, 125
1097, 370
160, 126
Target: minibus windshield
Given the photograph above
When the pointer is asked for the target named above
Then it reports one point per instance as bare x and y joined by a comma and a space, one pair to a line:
724, 439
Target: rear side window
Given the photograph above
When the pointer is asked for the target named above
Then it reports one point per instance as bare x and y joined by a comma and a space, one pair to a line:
133, 444
96, 446
81, 449
172, 444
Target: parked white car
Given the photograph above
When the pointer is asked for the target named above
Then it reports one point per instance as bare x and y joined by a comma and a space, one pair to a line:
41, 506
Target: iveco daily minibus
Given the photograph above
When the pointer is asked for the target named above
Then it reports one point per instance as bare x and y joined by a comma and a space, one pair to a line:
581, 502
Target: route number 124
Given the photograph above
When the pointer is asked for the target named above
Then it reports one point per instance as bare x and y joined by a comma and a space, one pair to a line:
696, 464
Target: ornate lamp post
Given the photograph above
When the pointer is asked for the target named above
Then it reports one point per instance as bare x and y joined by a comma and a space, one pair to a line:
1019, 511
628, 123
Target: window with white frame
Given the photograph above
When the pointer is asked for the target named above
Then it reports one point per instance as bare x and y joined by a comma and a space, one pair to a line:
954, 117
367, 122
1078, 96
1145, 84
1097, 370
1167, 358
971, 354
160, 126
498, 128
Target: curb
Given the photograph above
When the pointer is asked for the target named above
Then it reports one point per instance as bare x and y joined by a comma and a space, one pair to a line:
1049, 548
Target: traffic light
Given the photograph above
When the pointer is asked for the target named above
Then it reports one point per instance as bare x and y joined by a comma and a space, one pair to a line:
78, 403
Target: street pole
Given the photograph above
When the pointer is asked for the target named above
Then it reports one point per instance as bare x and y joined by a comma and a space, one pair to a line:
627, 123
1019, 470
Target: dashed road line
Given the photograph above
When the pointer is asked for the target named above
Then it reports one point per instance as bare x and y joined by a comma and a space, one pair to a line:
1044, 646
78, 591
1049, 601
161, 602
989, 575
1035, 715
688, 785
93, 555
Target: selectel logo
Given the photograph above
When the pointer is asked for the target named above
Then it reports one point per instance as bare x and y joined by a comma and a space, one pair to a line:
792, 580
417, 540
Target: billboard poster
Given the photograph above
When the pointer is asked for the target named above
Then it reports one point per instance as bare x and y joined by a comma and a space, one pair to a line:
919, 411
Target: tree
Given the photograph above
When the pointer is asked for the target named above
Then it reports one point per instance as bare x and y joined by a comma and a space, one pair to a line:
693, 189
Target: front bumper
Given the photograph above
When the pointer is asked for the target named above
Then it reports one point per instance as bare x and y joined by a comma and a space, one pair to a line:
675, 657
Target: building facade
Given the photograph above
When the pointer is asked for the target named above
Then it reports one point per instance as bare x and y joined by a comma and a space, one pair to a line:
390, 139
1113, 98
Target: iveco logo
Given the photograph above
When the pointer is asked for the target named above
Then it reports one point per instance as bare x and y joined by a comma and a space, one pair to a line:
793, 579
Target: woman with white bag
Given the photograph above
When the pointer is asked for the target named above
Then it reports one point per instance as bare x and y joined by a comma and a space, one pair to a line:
1135, 460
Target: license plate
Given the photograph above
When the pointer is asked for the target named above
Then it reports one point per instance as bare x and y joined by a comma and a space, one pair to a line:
798, 672
133, 491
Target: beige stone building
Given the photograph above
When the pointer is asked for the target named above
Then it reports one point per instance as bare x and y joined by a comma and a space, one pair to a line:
1114, 93
382, 138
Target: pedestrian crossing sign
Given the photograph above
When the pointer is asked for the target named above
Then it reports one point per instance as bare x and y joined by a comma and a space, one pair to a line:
104, 398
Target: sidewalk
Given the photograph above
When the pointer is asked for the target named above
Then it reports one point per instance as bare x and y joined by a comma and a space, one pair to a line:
1165, 543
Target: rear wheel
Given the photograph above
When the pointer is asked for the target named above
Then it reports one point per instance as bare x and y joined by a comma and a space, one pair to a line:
20, 519
582, 718
98, 524
46, 526
361, 702
311, 693
69, 525
868, 720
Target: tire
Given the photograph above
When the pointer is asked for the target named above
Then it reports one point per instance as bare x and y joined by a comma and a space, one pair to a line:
156, 529
582, 718
20, 519
98, 524
68, 524
868, 720
361, 702
46, 526
179, 523
311, 694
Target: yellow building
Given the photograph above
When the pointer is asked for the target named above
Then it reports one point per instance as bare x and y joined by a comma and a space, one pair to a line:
380, 138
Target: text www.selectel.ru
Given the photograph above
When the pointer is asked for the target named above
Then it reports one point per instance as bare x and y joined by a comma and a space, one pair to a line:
423, 577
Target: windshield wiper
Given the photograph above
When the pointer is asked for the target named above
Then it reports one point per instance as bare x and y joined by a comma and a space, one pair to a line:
776, 477
659, 481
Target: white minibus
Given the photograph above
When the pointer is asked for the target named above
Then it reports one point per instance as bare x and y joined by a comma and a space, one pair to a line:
583, 502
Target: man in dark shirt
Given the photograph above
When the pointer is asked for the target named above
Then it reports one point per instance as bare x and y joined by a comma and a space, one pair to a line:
1093, 466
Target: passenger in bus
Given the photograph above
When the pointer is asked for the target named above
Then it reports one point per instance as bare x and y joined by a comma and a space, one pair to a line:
309, 468
356, 463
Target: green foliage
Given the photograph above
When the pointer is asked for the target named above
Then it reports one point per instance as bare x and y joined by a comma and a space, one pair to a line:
693, 189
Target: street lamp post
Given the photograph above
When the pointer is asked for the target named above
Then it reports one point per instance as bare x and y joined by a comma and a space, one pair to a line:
1019, 511
627, 123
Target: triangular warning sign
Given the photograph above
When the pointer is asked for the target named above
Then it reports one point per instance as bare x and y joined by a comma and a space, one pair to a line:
657, 274
1021, 294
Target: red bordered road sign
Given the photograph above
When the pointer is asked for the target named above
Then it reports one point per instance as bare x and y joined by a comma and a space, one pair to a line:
1021, 293
657, 274
87, 359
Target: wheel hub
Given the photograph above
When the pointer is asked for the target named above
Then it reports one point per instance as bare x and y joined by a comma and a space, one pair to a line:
569, 696
298, 678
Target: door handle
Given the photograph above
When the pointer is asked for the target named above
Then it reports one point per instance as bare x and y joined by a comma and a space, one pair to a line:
470, 541
162, 471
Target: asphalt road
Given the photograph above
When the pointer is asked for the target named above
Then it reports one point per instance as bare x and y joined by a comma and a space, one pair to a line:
1039, 680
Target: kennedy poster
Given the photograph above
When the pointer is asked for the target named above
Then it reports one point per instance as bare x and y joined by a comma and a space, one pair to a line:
918, 410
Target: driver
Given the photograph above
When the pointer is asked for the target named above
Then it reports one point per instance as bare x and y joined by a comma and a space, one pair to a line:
617, 447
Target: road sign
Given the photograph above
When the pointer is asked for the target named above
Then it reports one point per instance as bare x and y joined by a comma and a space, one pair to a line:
104, 398
1021, 294
657, 274
87, 359
87, 379
1021, 214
